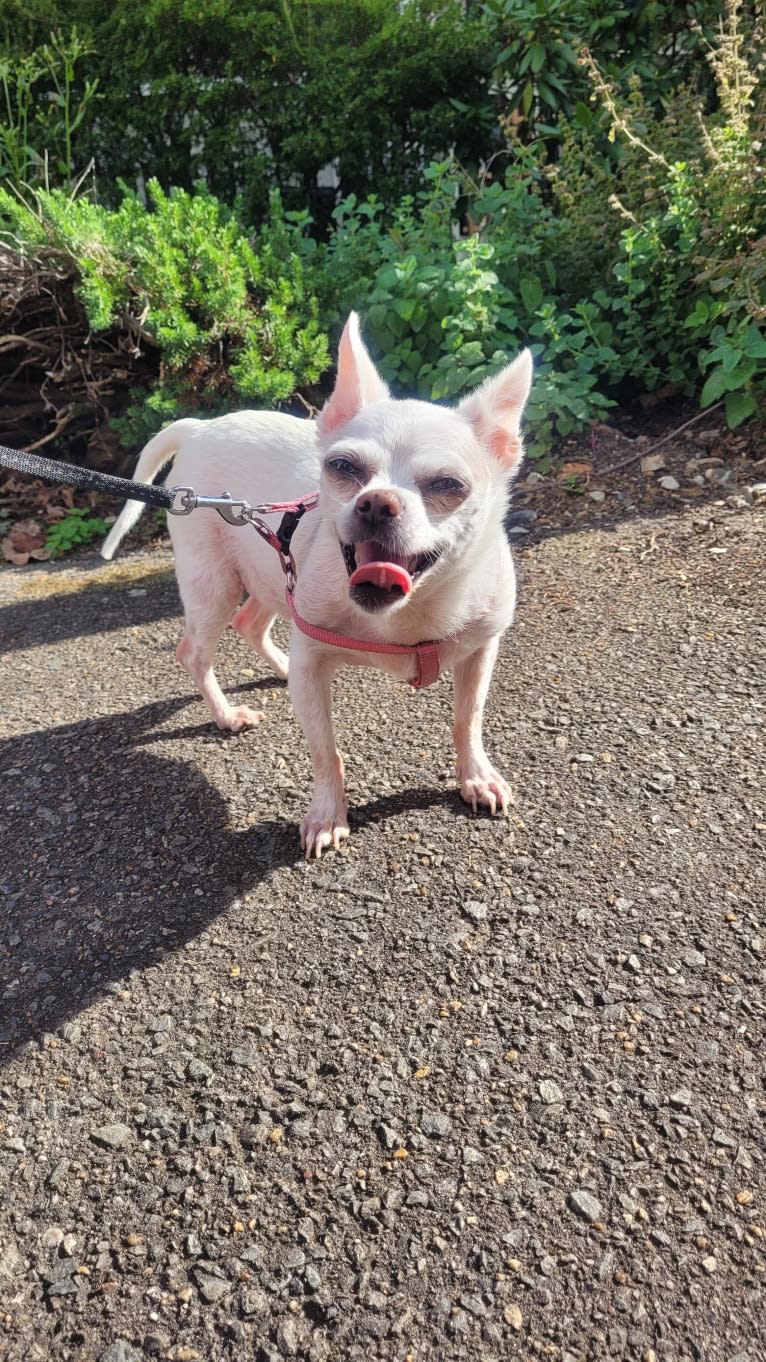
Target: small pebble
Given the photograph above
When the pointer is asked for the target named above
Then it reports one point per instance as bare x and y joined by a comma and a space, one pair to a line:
550, 1092
585, 1205
513, 1316
119, 1351
114, 1136
435, 1123
681, 1098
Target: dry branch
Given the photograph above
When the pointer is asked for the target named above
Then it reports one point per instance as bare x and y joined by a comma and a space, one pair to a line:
61, 384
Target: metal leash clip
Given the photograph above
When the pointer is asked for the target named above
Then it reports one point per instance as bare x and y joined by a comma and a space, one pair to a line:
186, 500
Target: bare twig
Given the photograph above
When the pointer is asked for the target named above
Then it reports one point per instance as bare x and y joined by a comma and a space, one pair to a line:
312, 411
64, 419
641, 453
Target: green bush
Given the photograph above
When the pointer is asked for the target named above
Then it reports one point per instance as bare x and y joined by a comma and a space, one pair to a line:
691, 263
76, 528
251, 97
444, 311
626, 269
538, 74
614, 218
230, 325
44, 101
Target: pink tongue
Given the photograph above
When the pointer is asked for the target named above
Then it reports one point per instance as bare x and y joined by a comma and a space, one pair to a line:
388, 575
372, 570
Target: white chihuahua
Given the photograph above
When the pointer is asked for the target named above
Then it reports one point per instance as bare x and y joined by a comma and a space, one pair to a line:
404, 564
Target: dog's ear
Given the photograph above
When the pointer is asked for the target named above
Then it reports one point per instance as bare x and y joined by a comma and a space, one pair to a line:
358, 382
494, 410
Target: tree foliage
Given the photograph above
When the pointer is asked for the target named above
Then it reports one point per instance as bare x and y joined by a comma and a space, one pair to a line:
583, 178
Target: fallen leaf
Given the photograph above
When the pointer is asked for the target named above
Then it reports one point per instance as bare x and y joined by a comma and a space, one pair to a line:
25, 540
650, 463
574, 470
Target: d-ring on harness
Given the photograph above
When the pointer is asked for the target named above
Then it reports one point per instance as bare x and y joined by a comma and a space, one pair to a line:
184, 500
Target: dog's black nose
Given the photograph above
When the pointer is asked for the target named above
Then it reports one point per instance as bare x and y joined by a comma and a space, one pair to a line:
379, 506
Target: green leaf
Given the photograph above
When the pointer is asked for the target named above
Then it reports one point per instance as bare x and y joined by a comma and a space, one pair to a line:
714, 388
699, 316
754, 343
730, 359
741, 375
532, 293
738, 407
471, 353
583, 116
537, 55
547, 94
404, 307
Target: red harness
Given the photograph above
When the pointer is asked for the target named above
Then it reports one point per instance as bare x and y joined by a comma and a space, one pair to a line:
426, 654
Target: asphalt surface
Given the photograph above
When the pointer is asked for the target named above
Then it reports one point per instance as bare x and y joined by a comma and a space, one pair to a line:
468, 1089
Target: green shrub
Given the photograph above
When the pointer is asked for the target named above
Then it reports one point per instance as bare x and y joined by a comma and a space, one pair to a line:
538, 75
76, 528
442, 311
44, 102
691, 258
255, 97
635, 260
231, 326
620, 230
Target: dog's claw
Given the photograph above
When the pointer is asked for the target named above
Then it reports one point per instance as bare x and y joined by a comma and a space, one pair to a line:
240, 718
489, 791
320, 832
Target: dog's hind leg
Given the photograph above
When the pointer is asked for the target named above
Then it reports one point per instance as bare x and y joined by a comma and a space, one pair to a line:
208, 605
253, 621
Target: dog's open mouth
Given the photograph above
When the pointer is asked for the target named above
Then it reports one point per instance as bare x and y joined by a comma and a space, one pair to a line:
378, 577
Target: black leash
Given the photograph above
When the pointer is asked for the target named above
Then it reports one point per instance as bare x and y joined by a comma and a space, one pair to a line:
50, 470
175, 500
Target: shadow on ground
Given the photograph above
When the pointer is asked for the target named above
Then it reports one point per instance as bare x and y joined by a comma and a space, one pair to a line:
112, 857
38, 619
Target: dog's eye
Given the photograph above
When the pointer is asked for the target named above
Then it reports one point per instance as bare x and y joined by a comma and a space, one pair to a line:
346, 468
447, 487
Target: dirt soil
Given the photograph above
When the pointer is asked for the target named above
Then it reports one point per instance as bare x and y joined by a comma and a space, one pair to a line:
470, 1088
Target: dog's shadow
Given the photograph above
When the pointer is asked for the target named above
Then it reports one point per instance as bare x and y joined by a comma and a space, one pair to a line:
112, 856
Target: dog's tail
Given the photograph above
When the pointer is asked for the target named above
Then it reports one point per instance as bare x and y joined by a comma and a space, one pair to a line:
160, 450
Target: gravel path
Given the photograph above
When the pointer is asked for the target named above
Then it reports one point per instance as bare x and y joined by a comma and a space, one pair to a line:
470, 1089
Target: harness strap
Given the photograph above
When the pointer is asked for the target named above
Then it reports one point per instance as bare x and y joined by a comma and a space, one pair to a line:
427, 654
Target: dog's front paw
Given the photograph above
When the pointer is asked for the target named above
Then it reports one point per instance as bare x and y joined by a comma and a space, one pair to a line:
325, 825
238, 717
488, 790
